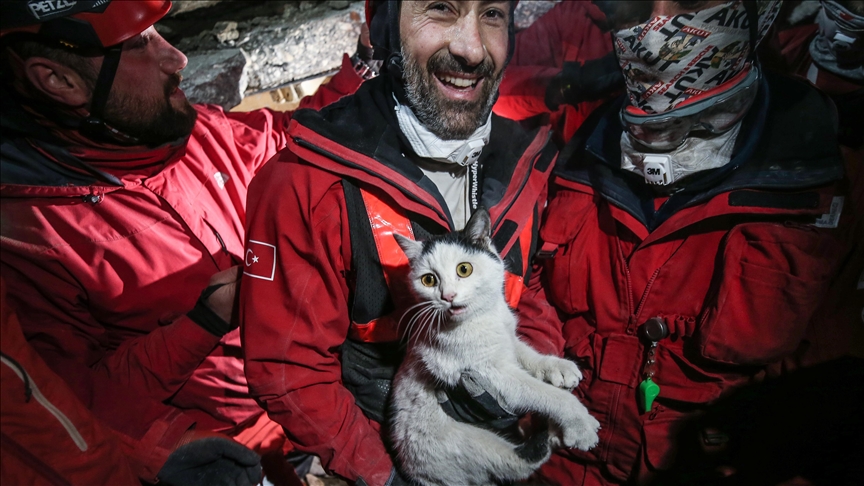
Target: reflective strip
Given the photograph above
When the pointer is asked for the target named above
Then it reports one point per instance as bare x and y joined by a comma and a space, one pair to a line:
512, 289
513, 284
386, 221
63, 419
381, 330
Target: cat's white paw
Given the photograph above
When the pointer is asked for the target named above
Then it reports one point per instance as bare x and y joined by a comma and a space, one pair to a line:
558, 372
581, 432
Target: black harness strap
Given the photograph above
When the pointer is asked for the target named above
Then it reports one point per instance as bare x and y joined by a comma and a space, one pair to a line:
371, 298
94, 125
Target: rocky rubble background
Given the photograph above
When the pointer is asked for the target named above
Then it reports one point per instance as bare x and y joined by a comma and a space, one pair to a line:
238, 48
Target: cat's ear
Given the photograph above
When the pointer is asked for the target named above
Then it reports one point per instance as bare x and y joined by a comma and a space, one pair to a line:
479, 228
412, 248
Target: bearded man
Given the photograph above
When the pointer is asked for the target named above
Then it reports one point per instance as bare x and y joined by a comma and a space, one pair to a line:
414, 151
119, 202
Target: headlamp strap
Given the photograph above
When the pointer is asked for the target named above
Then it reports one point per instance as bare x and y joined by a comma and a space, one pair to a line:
394, 58
95, 124
752, 10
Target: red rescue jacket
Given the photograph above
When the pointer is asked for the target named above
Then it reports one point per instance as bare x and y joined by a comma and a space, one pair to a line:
567, 32
47, 436
736, 268
313, 268
105, 250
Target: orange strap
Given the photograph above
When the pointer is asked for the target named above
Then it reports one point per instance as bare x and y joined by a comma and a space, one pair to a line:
386, 222
513, 284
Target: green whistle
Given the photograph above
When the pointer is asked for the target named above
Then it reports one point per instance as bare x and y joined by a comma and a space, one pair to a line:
648, 391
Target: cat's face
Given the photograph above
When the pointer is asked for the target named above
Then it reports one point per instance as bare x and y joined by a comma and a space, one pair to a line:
458, 274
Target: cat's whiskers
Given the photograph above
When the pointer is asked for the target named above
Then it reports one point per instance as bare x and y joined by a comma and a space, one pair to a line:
409, 330
426, 322
421, 318
413, 318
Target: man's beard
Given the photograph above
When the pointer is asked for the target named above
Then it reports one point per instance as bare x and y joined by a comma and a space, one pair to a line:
153, 122
446, 118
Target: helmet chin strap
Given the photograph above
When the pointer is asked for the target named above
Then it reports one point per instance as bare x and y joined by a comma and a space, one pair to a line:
94, 126
752, 10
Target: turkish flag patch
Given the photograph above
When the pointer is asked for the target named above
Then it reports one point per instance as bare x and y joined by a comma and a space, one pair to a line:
260, 260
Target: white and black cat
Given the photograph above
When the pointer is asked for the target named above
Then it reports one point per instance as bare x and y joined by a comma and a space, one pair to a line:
464, 330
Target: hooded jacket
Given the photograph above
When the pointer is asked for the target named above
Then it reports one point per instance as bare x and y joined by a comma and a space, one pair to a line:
736, 266
105, 249
307, 278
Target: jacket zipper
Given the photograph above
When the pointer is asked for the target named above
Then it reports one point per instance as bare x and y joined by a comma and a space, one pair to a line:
95, 196
318, 150
627, 278
647, 290
53, 410
221, 242
524, 182
639, 305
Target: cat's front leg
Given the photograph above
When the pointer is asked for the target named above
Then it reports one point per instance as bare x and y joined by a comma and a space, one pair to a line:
517, 390
556, 371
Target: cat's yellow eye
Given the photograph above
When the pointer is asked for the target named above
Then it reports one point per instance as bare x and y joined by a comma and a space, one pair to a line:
464, 269
428, 280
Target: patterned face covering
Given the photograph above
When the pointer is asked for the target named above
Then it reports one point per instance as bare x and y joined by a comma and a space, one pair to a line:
669, 59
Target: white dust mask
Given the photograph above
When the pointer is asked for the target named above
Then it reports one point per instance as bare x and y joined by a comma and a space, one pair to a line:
428, 145
694, 155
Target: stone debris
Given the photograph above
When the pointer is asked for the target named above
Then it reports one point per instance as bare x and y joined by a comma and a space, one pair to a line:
338, 5
225, 31
183, 6
306, 41
217, 77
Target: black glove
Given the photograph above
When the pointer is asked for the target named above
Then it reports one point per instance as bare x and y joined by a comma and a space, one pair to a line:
470, 402
211, 461
205, 317
578, 82
398, 479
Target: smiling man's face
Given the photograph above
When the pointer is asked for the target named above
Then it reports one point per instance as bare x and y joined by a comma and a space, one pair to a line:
454, 54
